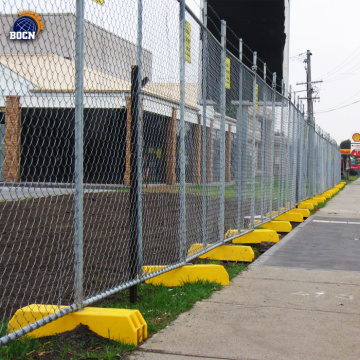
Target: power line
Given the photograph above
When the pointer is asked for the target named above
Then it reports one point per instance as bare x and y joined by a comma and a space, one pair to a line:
340, 107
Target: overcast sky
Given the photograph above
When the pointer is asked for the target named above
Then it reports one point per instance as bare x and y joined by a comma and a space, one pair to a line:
331, 30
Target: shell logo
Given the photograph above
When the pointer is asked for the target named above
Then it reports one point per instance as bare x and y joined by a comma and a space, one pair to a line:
356, 137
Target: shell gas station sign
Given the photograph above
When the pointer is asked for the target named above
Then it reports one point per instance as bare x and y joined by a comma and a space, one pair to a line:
355, 152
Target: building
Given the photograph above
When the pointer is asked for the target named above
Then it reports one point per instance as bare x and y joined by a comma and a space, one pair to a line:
38, 116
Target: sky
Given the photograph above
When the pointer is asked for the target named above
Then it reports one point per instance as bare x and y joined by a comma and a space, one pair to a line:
330, 29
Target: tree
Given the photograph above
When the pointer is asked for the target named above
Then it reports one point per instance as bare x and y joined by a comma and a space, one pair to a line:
346, 144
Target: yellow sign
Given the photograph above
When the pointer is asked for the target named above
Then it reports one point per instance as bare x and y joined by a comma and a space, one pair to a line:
227, 74
159, 153
257, 97
187, 42
356, 137
101, 2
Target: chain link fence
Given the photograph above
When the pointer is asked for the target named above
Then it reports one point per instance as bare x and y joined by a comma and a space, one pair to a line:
128, 134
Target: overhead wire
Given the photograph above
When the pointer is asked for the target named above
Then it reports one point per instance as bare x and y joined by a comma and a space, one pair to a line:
337, 108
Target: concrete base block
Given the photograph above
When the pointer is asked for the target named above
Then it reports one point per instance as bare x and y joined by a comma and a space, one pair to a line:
124, 325
257, 236
225, 253
188, 274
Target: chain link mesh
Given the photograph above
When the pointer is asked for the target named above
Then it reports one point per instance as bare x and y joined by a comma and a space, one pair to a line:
146, 165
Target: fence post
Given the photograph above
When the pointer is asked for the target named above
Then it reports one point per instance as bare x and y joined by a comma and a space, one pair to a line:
222, 129
301, 159
272, 145
79, 155
294, 157
298, 155
287, 168
263, 149
253, 178
241, 135
204, 140
182, 134
281, 175
139, 147
136, 167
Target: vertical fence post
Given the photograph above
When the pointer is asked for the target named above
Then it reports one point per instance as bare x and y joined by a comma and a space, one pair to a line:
301, 152
203, 148
222, 129
263, 149
294, 158
79, 155
136, 167
287, 167
281, 175
253, 178
272, 145
139, 148
241, 141
133, 195
298, 153
182, 134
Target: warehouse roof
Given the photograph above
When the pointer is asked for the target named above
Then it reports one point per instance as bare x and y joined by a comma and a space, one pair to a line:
53, 73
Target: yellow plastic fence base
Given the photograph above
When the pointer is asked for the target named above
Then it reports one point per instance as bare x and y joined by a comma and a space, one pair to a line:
291, 216
188, 274
306, 205
319, 199
312, 201
304, 212
126, 326
327, 194
225, 253
278, 226
257, 236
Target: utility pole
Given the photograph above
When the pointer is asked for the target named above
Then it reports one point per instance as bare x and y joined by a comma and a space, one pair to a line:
311, 122
309, 89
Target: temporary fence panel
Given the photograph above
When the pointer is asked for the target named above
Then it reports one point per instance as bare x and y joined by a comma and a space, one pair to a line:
131, 133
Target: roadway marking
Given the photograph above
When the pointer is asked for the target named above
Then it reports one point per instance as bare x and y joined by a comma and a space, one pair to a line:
337, 222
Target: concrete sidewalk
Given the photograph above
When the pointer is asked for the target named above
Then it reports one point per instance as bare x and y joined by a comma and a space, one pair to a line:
300, 300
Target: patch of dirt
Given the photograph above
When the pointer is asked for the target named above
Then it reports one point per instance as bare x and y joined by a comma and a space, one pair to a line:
37, 258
